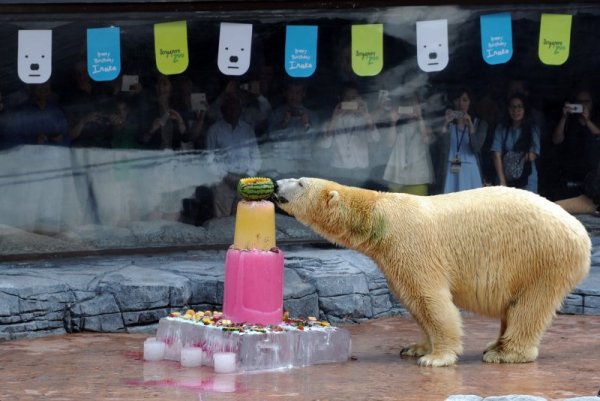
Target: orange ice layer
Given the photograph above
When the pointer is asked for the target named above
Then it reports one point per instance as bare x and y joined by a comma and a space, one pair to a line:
255, 225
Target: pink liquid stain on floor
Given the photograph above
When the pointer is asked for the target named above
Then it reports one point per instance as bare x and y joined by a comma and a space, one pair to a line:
220, 384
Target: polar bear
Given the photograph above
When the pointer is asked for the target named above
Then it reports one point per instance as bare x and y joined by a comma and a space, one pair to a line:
497, 251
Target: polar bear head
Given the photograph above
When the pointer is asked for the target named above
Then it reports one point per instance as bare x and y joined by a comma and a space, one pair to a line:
342, 214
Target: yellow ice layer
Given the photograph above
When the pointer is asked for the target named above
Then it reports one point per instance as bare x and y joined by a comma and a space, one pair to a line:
255, 225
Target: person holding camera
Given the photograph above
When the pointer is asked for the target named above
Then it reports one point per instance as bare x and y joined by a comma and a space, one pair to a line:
167, 129
409, 168
291, 131
347, 136
459, 143
578, 137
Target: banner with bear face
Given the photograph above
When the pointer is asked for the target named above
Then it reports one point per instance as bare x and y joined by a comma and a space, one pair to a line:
171, 47
235, 45
104, 53
34, 58
432, 45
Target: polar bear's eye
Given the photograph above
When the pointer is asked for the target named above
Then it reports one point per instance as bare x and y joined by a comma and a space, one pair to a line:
300, 184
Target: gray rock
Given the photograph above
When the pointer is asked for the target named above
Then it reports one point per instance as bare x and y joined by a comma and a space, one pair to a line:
302, 307
136, 288
295, 287
573, 304
592, 301
100, 323
587, 398
353, 306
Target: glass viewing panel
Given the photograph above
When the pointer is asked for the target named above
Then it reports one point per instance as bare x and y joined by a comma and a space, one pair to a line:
148, 120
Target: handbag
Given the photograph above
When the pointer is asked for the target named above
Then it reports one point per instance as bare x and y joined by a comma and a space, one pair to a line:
514, 164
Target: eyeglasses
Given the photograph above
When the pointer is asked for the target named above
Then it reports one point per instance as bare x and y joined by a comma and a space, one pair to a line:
516, 106
586, 101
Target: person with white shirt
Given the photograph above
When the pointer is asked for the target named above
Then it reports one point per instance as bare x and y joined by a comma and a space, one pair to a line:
236, 154
347, 136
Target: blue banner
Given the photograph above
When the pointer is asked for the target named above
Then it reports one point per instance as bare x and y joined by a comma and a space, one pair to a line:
104, 53
301, 50
496, 38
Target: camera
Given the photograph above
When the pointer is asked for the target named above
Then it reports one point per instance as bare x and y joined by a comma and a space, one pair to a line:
574, 108
406, 110
384, 99
351, 106
456, 114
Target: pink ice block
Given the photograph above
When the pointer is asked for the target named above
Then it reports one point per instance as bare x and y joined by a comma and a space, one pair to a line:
253, 286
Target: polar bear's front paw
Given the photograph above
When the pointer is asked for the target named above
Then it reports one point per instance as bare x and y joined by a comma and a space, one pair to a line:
414, 350
438, 359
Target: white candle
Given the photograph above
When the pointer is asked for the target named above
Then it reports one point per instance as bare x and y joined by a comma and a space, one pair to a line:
191, 357
154, 350
224, 362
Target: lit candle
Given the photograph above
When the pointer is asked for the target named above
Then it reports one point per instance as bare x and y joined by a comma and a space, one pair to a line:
224, 362
154, 350
191, 357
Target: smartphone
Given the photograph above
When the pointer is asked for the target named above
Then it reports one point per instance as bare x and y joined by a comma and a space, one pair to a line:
406, 110
351, 106
457, 114
128, 81
198, 101
575, 108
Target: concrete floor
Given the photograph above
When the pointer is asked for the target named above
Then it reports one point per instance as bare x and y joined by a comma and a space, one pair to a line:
110, 367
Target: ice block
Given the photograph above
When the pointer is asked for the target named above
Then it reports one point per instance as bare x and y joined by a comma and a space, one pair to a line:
254, 225
285, 346
253, 286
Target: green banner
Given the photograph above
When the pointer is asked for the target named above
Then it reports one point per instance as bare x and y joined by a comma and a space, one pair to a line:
555, 38
367, 49
171, 47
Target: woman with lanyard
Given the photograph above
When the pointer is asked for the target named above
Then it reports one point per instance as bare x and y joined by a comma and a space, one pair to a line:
461, 140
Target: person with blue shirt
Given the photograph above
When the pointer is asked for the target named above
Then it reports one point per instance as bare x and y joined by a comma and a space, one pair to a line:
460, 142
39, 121
517, 132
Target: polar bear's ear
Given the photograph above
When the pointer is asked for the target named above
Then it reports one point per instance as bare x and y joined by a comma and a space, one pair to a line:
334, 196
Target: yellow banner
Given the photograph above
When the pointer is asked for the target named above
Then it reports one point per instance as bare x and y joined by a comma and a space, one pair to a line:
555, 38
171, 47
367, 49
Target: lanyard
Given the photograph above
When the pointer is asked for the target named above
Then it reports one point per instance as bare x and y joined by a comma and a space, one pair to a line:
462, 136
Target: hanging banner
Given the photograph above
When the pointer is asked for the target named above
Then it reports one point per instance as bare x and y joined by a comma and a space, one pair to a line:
171, 47
496, 38
235, 44
555, 38
104, 53
367, 49
300, 50
34, 56
432, 45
